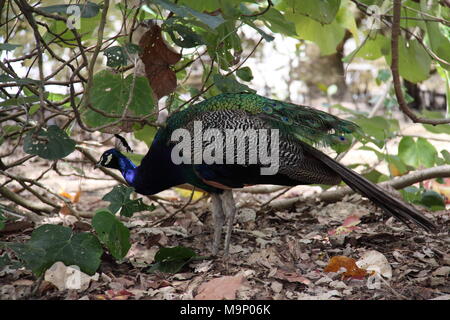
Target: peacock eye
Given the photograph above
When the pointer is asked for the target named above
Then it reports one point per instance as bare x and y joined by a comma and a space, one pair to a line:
106, 160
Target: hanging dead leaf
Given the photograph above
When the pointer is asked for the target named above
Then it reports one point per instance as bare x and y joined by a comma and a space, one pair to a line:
347, 266
157, 57
220, 288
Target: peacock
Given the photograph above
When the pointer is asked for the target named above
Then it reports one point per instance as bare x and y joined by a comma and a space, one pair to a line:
288, 132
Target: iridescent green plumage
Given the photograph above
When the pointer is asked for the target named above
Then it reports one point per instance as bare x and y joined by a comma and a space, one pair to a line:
304, 123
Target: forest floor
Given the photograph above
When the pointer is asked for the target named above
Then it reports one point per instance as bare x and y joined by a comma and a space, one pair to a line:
274, 254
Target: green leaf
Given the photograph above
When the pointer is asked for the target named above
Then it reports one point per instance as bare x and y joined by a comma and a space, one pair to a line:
323, 11
51, 243
411, 194
65, 36
378, 127
171, 260
440, 43
49, 143
414, 62
432, 200
440, 128
87, 10
263, 34
187, 38
418, 153
230, 84
110, 93
7, 78
19, 101
146, 134
2, 220
370, 49
8, 46
277, 22
245, 74
327, 36
115, 56
112, 233
119, 198
375, 176
211, 21
446, 156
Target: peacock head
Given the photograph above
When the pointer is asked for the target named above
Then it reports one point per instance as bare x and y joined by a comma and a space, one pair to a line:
110, 159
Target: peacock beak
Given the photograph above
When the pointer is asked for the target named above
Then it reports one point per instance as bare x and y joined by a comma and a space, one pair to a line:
97, 165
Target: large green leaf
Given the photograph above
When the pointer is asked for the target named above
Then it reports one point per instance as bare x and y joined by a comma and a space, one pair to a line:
8, 46
369, 50
119, 198
110, 93
417, 153
62, 35
323, 11
441, 128
277, 22
49, 143
87, 10
414, 61
7, 78
146, 134
171, 260
181, 34
212, 21
112, 233
230, 84
378, 127
326, 36
51, 243
21, 100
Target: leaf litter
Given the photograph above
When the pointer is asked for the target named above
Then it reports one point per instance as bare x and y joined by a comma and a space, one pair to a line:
281, 254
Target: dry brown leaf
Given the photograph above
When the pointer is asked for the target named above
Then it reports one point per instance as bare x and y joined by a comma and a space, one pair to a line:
346, 264
73, 198
375, 261
220, 288
349, 224
157, 57
114, 295
291, 277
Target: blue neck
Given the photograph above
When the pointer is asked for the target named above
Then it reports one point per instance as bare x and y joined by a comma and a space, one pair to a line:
128, 170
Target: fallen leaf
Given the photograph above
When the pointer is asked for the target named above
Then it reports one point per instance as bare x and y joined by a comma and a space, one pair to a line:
291, 277
220, 288
63, 277
376, 262
349, 224
114, 295
73, 198
347, 266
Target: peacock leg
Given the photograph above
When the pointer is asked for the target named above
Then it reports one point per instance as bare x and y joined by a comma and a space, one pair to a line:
229, 207
218, 219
